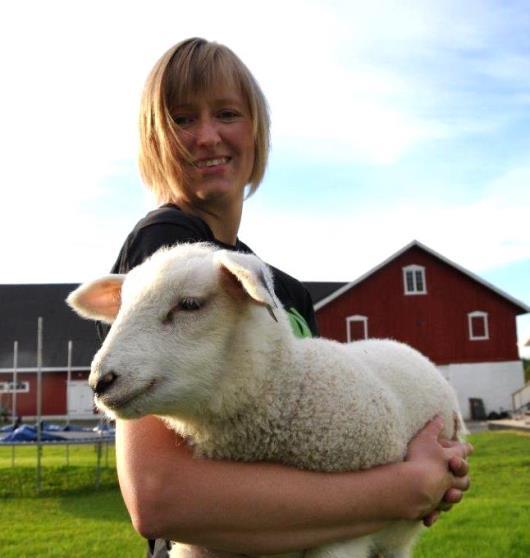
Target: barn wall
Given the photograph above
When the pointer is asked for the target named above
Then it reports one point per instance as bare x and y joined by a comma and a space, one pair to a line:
53, 392
435, 323
493, 382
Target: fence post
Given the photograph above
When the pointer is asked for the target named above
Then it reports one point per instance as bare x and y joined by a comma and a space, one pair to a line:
39, 404
14, 402
98, 463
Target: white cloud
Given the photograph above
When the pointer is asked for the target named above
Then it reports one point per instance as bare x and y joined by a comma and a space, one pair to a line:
489, 232
345, 82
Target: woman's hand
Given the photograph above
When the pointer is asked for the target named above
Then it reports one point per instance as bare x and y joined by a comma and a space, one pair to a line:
442, 469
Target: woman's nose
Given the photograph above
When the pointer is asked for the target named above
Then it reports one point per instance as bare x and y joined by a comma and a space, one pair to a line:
207, 132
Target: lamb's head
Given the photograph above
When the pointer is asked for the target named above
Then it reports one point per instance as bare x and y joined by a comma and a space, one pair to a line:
176, 321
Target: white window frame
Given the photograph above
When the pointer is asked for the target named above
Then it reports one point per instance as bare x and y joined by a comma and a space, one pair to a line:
356, 318
414, 269
484, 316
7, 387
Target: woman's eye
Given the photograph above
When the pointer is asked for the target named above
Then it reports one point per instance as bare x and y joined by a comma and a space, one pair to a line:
182, 120
189, 304
228, 114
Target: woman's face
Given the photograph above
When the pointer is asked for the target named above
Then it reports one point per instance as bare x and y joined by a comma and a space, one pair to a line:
216, 129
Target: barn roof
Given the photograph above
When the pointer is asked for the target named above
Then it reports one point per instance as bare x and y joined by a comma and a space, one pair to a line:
341, 290
319, 290
20, 308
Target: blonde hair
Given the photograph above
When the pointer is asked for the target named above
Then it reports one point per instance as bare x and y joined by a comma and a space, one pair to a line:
189, 68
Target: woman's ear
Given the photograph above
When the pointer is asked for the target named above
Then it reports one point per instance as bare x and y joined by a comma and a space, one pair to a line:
99, 299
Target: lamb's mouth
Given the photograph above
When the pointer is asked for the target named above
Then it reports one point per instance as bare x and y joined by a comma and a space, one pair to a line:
116, 404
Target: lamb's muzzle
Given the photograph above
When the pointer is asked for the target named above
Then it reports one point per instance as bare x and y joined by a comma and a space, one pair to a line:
103, 383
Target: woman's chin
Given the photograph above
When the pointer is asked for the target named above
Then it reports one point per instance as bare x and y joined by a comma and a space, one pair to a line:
219, 193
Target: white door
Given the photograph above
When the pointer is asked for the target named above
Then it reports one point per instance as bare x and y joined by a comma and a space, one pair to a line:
80, 398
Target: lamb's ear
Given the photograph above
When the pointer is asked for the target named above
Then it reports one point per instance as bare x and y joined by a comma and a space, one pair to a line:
246, 273
99, 299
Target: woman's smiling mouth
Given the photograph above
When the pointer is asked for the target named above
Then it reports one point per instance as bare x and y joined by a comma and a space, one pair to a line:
213, 162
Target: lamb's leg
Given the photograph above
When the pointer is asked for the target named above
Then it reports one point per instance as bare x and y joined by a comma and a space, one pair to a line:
397, 540
180, 550
355, 548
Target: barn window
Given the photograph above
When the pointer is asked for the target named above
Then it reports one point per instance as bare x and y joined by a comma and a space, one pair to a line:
356, 328
8, 387
478, 325
414, 280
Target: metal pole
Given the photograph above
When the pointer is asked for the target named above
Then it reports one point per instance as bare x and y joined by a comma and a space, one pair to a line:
15, 366
98, 462
39, 403
68, 380
14, 404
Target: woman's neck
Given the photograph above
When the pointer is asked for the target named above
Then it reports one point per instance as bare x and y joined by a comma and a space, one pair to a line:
223, 220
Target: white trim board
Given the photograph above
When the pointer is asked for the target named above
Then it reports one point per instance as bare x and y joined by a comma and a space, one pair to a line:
23, 370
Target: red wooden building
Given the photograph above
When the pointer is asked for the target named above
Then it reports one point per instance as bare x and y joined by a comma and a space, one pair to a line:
465, 325
63, 392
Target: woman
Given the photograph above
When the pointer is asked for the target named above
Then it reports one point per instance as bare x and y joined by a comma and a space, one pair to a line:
204, 140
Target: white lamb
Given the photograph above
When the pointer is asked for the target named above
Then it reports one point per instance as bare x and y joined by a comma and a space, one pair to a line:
194, 341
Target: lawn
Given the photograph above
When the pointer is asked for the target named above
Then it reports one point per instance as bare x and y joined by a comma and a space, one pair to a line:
72, 518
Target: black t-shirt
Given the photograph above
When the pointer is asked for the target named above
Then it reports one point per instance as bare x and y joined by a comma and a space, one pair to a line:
167, 226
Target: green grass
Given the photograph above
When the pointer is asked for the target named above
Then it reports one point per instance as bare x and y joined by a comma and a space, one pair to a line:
80, 525
69, 516
64, 469
72, 518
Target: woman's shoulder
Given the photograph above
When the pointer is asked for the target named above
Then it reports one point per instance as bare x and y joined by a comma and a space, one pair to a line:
164, 226
170, 214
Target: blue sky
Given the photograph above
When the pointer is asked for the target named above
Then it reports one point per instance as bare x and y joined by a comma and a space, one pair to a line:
393, 121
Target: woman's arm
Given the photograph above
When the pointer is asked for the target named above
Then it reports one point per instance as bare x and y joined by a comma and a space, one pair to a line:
269, 508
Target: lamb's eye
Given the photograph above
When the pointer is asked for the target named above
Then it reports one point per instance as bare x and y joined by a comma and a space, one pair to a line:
186, 304
189, 304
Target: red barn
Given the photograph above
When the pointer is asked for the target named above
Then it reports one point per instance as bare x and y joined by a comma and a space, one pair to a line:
63, 393
465, 325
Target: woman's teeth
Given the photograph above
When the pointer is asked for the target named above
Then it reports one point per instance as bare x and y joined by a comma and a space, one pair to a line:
211, 162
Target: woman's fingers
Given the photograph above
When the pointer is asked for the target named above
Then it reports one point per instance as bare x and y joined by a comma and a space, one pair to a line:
458, 466
461, 483
464, 447
444, 506
453, 496
430, 519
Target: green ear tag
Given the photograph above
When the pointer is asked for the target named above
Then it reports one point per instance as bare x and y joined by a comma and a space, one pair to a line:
298, 324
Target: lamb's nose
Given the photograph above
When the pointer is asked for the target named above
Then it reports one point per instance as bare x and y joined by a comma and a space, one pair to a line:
104, 383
